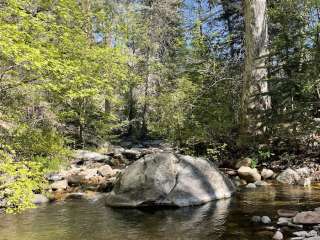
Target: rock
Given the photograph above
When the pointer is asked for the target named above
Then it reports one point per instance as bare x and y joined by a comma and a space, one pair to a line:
287, 213
284, 221
288, 176
39, 199
75, 180
54, 177
301, 234
106, 171
251, 175
307, 218
265, 220
256, 219
239, 182
317, 209
131, 154
312, 233
59, 185
278, 235
108, 185
89, 173
266, 173
76, 195
304, 172
84, 155
261, 183
244, 162
166, 179
251, 185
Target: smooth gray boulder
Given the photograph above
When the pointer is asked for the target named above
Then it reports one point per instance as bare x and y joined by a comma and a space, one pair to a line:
166, 179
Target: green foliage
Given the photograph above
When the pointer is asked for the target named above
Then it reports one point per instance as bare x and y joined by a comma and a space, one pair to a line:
18, 181
43, 146
217, 152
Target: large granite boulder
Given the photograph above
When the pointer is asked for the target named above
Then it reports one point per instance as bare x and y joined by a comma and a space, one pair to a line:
166, 179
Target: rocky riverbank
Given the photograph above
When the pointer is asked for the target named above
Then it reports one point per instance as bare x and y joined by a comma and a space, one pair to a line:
91, 175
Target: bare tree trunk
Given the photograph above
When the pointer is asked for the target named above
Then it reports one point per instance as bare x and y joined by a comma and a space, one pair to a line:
254, 100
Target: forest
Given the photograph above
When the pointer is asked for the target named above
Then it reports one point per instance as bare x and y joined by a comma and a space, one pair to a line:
219, 79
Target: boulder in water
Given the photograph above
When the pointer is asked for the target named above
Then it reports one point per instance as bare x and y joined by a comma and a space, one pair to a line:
166, 179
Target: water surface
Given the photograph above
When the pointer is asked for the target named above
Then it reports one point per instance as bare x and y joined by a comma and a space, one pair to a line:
225, 219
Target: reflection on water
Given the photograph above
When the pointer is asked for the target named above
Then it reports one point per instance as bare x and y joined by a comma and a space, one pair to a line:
225, 219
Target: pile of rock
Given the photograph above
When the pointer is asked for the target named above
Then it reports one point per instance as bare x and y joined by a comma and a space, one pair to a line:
297, 225
250, 177
96, 171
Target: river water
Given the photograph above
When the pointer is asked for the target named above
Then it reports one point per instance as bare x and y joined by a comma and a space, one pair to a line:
225, 219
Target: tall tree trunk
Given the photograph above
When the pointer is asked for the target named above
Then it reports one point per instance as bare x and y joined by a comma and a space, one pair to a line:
254, 100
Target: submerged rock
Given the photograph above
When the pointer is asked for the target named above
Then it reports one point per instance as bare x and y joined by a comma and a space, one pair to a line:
166, 179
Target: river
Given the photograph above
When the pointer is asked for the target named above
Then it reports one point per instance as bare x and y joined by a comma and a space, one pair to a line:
225, 219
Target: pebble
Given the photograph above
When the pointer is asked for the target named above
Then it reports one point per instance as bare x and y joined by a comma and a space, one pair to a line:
265, 220
251, 185
283, 221
278, 235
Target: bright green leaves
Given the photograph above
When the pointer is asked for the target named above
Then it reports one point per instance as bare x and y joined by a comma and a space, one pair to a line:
18, 180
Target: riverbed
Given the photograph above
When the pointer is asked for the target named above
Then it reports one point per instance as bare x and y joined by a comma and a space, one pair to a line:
225, 219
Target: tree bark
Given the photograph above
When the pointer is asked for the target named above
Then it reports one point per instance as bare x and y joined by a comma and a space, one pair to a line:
254, 99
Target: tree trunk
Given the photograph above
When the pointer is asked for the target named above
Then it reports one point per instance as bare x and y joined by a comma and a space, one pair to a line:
254, 100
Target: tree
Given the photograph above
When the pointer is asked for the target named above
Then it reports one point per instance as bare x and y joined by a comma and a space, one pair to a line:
255, 100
